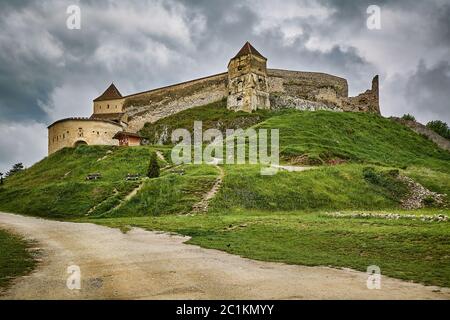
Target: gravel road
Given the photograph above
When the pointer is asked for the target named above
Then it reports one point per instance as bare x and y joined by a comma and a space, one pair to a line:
151, 265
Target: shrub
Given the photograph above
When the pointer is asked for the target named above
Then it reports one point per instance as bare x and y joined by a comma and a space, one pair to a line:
18, 167
153, 168
387, 180
371, 175
408, 117
429, 201
440, 128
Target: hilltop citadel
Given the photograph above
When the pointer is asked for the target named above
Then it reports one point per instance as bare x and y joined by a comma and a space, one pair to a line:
248, 85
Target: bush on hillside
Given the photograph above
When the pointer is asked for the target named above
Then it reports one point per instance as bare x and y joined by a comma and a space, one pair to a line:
387, 179
153, 168
15, 169
408, 117
440, 127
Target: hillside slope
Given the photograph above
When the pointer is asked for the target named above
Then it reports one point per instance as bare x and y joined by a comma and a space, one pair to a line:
56, 186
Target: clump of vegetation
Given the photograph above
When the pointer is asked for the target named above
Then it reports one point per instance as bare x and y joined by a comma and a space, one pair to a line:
408, 117
18, 167
15, 259
429, 201
153, 167
386, 179
440, 128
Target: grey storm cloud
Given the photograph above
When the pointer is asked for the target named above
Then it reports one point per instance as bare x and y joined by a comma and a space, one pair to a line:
49, 72
427, 91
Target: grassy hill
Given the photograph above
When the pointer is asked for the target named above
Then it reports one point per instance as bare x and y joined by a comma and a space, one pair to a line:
56, 186
214, 115
276, 218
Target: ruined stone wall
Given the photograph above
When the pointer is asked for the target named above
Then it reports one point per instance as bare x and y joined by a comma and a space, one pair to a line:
424, 130
318, 91
368, 101
69, 132
306, 90
156, 104
287, 89
305, 85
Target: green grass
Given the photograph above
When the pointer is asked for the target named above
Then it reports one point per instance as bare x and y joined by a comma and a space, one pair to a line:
214, 115
405, 249
56, 187
356, 137
324, 188
174, 192
15, 259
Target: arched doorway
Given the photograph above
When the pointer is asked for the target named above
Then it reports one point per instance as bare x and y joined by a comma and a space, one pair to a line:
79, 143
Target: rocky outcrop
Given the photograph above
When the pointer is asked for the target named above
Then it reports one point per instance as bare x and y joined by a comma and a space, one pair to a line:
419, 196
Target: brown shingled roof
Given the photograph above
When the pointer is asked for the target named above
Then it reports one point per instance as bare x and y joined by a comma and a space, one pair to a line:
248, 49
126, 134
108, 116
110, 94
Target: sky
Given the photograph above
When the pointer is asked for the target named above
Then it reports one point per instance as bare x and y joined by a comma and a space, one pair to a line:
48, 71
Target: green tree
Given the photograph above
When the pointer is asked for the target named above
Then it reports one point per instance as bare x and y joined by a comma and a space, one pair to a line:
15, 168
440, 128
153, 168
408, 117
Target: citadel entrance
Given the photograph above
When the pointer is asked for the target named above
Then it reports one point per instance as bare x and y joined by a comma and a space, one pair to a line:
79, 143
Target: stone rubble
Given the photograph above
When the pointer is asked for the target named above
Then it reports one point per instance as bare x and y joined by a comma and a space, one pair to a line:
390, 216
417, 194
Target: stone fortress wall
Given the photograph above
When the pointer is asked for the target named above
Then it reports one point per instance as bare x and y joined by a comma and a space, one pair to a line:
75, 131
247, 85
287, 89
156, 104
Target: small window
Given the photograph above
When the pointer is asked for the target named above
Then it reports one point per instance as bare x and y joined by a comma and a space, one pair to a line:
107, 107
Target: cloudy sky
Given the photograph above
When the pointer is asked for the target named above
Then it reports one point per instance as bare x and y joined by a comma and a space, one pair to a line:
48, 71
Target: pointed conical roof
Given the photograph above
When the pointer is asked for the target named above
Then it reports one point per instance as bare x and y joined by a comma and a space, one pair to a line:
110, 94
248, 49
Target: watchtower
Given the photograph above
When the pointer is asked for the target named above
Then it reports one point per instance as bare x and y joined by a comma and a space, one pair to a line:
247, 81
